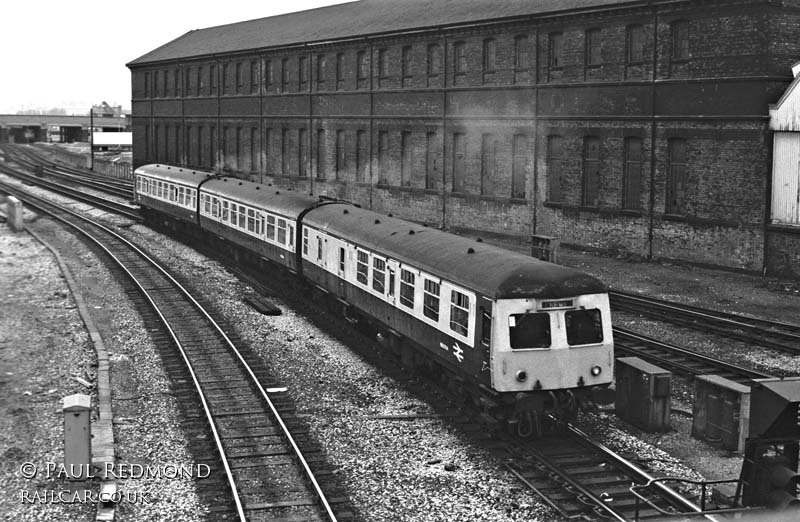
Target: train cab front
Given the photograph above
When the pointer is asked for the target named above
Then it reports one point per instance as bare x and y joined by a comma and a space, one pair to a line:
552, 355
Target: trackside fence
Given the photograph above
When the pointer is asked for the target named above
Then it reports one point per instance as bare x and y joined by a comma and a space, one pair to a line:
113, 169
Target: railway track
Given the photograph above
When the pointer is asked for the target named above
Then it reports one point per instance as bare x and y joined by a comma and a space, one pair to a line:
121, 209
266, 473
582, 479
38, 163
762, 332
679, 360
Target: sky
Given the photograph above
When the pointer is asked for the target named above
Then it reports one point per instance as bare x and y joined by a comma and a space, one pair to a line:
72, 54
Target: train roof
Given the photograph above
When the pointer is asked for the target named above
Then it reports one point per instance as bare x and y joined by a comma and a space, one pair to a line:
487, 269
189, 177
278, 200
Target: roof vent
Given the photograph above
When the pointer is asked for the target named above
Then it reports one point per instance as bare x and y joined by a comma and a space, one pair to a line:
240, 183
479, 240
346, 211
377, 221
258, 187
180, 170
470, 250
411, 232
224, 179
390, 215
269, 184
277, 192
168, 168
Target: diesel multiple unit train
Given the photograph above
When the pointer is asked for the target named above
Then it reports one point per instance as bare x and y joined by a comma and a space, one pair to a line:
530, 339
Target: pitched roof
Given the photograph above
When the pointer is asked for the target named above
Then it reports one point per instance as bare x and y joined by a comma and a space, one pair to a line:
351, 19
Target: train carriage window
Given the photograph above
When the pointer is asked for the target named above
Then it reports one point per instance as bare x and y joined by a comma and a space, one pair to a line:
225, 215
215, 207
207, 204
407, 288
390, 289
251, 220
305, 241
291, 236
271, 227
583, 327
282, 231
193, 202
341, 259
430, 301
459, 312
319, 249
242, 217
173, 193
180, 195
529, 330
362, 267
378, 274
232, 215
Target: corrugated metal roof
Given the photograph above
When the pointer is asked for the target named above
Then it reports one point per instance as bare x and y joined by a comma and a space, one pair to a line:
490, 270
366, 17
188, 177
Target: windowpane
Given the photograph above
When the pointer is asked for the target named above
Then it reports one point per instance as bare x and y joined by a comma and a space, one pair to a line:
677, 174
633, 173
378, 275
591, 171
680, 40
635, 44
362, 267
556, 50
555, 162
529, 330
583, 327
430, 300
593, 47
459, 312
407, 288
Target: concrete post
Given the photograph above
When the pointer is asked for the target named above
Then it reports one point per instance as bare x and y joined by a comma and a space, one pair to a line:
14, 213
77, 436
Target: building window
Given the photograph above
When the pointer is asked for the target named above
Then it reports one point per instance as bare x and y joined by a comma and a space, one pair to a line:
212, 147
406, 65
269, 75
340, 63
199, 148
634, 44
321, 72
201, 82
239, 78
383, 67
434, 62
147, 85
378, 275
591, 171
459, 312
459, 61
284, 75
225, 80
156, 82
430, 160
362, 74
188, 82
253, 149
593, 56
164, 87
430, 301
362, 155
340, 154
302, 153
212, 78
521, 56
556, 51
459, 161
362, 267
383, 158
489, 55
239, 156
555, 165
407, 288
341, 260
405, 158
267, 144
284, 152
632, 175
302, 72
254, 80
321, 154
680, 40
519, 166
488, 163
677, 171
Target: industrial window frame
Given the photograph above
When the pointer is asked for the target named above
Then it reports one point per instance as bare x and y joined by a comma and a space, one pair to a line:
632, 173
555, 161
519, 161
305, 241
677, 176
340, 71
591, 171
434, 65
634, 44
488, 163
362, 72
680, 40
405, 65
489, 55
593, 55
302, 73
459, 61
555, 51
320, 69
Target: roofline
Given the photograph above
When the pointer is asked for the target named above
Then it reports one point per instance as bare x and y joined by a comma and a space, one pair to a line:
384, 34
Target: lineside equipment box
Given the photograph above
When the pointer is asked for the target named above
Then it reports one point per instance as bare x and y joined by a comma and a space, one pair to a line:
643, 394
721, 412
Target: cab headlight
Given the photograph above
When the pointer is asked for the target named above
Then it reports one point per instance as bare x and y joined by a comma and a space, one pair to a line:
522, 375
596, 370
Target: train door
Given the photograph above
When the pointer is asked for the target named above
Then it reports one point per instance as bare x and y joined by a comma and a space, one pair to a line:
341, 253
484, 337
391, 279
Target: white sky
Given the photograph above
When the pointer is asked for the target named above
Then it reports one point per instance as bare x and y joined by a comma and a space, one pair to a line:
72, 53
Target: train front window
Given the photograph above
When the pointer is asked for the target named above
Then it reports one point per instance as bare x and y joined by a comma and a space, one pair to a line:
584, 327
529, 330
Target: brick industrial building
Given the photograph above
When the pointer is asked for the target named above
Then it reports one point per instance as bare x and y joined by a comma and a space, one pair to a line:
633, 125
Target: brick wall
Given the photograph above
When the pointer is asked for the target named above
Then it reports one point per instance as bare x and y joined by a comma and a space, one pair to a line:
395, 118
